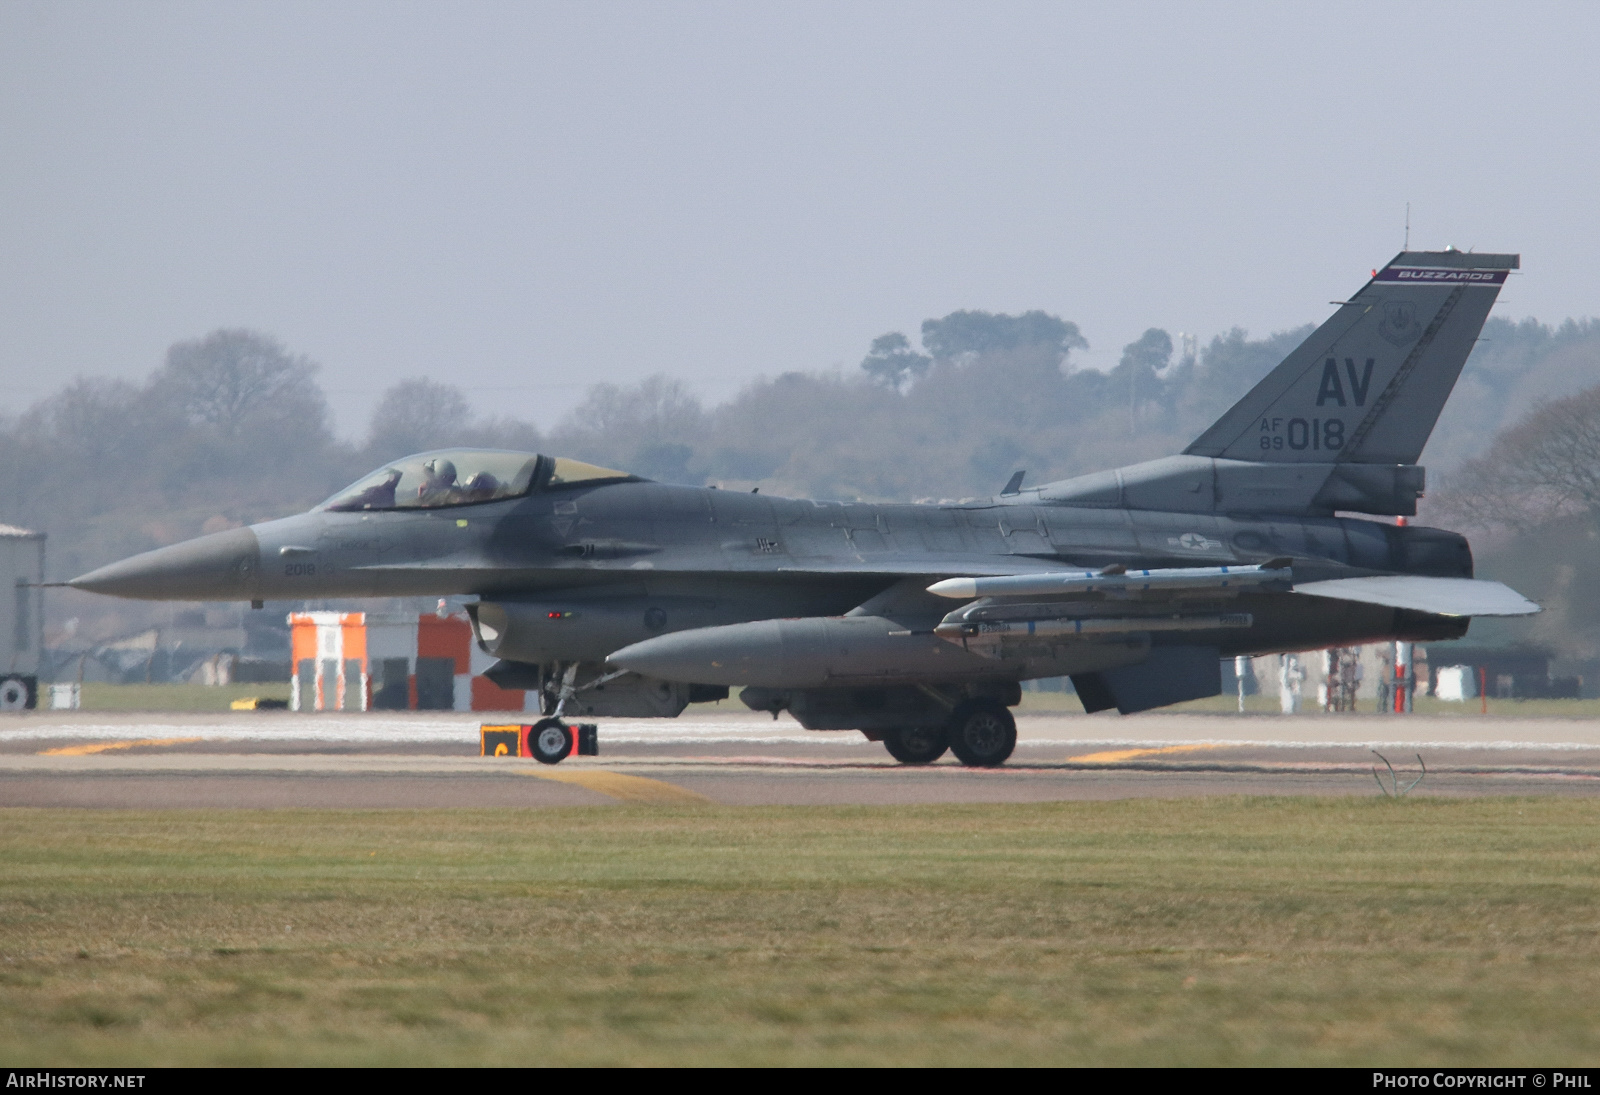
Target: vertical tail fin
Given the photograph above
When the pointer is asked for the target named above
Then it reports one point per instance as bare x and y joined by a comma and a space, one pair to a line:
1368, 385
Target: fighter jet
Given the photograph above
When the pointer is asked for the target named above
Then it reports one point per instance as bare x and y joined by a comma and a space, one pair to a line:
611, 595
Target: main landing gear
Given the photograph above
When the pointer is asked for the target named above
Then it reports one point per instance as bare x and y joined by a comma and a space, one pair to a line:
916, 745
981, 733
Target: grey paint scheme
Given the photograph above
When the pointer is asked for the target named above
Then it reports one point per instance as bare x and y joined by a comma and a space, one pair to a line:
823, 599
1444, 596
1417, 334
1200, 484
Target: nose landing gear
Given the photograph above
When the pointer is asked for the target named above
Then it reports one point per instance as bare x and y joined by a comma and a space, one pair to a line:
552, 740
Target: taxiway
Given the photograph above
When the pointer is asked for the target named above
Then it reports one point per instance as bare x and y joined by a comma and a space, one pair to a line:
264, 759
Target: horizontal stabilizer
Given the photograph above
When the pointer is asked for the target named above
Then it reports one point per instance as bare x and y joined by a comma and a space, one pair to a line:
1440, 596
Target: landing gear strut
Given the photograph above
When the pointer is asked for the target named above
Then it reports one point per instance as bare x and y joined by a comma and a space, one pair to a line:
916, 745
982, 733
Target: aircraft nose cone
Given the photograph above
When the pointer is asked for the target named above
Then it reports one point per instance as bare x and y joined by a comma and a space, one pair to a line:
223, 566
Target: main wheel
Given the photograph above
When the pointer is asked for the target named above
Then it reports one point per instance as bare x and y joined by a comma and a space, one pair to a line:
550, 741
982, 734
13, 694
916, 745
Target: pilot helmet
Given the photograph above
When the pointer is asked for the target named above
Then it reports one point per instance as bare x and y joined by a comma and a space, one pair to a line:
440, 470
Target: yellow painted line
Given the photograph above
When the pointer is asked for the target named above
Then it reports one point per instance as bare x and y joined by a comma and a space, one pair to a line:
622, 787
1129, 754
108, 746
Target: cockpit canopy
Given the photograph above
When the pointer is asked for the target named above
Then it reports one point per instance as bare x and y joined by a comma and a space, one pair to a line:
463, 477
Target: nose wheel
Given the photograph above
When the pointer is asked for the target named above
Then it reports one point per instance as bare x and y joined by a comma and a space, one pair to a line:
982, 734
550, 741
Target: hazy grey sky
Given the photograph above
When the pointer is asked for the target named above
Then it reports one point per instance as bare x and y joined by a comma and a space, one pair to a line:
527, 198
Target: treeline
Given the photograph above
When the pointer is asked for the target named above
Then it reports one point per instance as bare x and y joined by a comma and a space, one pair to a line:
1531, 503
986, 395
234, 427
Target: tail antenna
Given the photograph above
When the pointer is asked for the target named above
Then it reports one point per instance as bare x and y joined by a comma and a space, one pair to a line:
1408, 226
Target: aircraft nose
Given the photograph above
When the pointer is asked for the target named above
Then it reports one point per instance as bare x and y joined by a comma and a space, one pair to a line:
223, 566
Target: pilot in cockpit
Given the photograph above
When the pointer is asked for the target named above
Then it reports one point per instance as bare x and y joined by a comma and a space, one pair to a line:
439, 485
481, 487
379, 495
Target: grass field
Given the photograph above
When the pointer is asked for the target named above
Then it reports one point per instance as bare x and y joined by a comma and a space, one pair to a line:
1227, 931
174, 697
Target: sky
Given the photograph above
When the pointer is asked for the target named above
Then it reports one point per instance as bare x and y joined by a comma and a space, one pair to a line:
526, 199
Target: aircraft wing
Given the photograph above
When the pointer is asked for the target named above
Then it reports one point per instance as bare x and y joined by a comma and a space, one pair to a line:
1440, 596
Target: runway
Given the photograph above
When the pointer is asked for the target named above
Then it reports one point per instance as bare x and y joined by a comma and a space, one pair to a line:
277, 759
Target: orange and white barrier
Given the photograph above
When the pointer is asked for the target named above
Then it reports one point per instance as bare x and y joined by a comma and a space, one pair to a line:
362, 661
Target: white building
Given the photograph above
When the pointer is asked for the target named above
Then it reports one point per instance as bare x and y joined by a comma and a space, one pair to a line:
21, 615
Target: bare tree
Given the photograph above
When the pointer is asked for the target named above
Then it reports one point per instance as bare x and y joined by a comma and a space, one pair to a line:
231, 377
1543, 467
656, 408
415, 415
650, 428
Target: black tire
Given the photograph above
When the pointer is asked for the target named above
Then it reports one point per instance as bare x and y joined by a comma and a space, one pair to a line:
550, 741
916, 745
14, 694
982, 734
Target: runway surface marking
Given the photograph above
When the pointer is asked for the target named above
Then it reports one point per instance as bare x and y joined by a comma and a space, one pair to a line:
622, 787
1116, 755
1080, 733
108, 746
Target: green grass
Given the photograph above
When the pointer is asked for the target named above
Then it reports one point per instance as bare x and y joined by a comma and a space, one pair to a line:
175, 697
1266, 703
1226, 931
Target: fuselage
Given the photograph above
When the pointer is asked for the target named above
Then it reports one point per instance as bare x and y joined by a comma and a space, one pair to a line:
716, 556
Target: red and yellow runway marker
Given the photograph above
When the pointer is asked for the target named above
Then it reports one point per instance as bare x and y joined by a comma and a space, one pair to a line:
112, 746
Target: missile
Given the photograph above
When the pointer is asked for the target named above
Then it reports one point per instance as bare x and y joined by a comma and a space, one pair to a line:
1226, 579
991, 632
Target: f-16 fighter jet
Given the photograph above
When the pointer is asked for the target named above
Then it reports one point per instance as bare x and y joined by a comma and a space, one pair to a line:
612, 595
